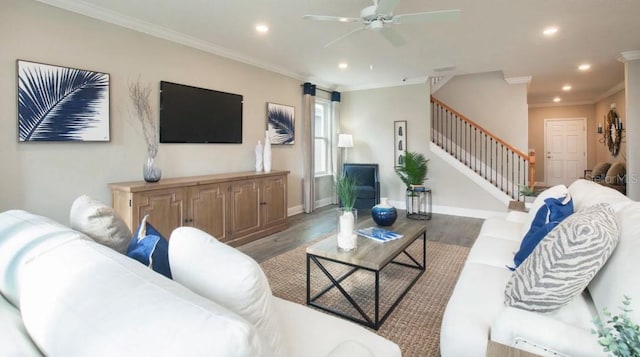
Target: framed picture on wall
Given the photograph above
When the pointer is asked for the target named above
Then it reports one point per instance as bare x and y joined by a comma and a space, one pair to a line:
281, 124
400, 141
61, 103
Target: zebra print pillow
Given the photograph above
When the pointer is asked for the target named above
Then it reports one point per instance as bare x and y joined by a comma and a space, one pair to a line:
564, 262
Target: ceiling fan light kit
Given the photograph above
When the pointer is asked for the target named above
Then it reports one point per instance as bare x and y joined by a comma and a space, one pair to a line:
377, 16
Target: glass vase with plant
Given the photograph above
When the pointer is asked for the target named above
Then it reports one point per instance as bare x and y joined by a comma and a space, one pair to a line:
620, 335
347, 215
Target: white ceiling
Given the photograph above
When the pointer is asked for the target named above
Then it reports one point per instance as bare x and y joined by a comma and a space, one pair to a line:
491, 35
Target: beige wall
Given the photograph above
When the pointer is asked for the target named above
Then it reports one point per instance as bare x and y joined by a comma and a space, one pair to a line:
369, 116
46, 177
536, 131
490, 101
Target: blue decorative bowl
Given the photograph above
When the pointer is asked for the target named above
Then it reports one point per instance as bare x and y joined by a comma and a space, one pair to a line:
384, 214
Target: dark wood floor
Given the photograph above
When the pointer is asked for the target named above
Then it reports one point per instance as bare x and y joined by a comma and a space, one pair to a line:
303, 228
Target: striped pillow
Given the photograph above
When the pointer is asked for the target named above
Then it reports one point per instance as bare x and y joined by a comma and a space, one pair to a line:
565, 261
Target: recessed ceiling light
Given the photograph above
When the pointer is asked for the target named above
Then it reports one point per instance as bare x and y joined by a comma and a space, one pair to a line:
550, 31
343, 65
584, 67
557, 99
566, 87
262, 28
343, 19
371, 67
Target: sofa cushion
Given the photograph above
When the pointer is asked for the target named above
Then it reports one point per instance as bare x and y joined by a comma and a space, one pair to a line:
614, 280
548, 217
565, 261
599, 171
24, 236
588, 193
14, 339
311, 333
150, 248
227, 276
84, 299
616, 174
100, 222
557, 191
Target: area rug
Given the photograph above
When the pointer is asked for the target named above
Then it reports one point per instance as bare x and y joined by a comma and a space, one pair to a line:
414, 324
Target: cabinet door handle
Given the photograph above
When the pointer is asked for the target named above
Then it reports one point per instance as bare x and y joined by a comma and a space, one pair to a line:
263, 203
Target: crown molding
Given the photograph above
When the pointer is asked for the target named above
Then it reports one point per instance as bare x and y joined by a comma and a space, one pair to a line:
627, 56
568, 104
403, 82
613, 90
518, 80
118, 19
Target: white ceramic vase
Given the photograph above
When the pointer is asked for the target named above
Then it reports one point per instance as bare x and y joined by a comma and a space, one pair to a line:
347, 236
259, 156
267, 152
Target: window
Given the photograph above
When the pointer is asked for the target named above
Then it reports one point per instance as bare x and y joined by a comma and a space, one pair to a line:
322, 139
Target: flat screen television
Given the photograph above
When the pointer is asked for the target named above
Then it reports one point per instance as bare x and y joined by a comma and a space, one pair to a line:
197, 115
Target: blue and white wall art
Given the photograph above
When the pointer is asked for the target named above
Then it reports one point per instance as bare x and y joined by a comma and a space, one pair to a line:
62, 104
280, 123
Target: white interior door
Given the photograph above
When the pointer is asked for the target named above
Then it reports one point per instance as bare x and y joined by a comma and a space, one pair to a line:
565, 150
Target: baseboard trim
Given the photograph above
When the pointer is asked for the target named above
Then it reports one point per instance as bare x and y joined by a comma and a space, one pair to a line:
292, 211
456, 211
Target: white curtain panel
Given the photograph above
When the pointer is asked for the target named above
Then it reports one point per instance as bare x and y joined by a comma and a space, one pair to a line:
336, 158
308, 118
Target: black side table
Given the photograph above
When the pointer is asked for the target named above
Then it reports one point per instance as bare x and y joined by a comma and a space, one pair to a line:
419, 203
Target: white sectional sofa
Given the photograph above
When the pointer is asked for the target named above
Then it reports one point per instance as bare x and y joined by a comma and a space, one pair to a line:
62, 294
477, 313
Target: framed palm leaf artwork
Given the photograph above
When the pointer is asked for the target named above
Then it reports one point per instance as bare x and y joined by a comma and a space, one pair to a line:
62, 104
280, 123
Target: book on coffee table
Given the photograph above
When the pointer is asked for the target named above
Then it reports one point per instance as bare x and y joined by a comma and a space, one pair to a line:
379, 234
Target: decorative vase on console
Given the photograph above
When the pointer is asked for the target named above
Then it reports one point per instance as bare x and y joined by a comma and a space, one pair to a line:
384, 214
267, 152
259, 156
151, 170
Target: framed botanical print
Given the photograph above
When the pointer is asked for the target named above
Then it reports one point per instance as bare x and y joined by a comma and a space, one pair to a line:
400, 141
61, 103
281, 124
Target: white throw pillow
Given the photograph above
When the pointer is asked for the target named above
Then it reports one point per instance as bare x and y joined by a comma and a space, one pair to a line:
557, 191
226, 276
100, 222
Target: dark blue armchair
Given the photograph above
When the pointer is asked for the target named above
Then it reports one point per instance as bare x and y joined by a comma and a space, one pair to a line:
367, 183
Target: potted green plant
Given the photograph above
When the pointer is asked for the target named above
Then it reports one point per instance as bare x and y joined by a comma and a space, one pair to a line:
413, 169
347, 215
528, 192
619, 335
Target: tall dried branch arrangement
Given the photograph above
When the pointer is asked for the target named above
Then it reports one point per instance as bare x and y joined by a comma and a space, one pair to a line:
139, 95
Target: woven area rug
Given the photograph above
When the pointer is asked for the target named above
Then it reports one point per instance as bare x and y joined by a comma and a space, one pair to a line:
414, 324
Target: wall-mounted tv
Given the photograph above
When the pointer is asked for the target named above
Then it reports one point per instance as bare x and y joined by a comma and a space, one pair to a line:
197, 115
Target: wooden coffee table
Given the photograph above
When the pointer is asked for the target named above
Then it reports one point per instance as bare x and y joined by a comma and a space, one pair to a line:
371, 256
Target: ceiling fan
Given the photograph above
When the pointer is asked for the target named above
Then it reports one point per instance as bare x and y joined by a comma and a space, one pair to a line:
379, 17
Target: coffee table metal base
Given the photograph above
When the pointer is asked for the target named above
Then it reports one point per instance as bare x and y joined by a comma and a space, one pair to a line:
376, 320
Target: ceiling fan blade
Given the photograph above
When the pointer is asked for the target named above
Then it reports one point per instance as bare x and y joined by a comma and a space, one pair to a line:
431, 16
345, 36
393, 36
385, 7
331, 18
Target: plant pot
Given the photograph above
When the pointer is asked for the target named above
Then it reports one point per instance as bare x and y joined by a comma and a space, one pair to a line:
347, 223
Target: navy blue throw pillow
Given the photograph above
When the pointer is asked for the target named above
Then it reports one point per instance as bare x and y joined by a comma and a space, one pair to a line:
554, 211
150, 248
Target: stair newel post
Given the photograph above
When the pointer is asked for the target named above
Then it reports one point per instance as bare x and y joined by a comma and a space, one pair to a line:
532, 168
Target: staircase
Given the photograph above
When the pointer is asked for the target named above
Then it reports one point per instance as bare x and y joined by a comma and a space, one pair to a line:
501, 165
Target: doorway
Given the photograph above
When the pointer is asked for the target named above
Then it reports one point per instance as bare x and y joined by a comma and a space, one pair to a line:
565, 143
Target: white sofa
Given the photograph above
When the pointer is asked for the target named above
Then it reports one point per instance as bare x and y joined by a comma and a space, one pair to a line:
62, 294
476, 311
